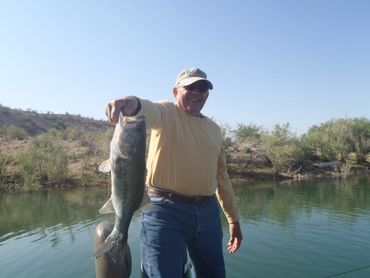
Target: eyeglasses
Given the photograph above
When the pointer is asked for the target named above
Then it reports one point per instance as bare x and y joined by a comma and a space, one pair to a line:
200, 87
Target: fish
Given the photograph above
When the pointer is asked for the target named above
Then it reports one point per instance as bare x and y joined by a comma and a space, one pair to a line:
127, 167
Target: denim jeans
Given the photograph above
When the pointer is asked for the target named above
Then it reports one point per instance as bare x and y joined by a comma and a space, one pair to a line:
171, 229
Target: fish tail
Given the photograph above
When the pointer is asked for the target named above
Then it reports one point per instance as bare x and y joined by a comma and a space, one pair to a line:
119, 255
116, 247
107, 247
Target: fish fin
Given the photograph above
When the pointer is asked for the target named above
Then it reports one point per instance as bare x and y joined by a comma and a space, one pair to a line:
126, 258
107, 207
106, 166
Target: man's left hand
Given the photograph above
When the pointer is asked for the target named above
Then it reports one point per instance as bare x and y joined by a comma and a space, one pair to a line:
235, 237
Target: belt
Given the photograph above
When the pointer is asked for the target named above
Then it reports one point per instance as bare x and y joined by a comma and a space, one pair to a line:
176, 197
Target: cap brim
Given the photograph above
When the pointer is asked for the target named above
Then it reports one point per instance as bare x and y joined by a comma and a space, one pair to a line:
191, 80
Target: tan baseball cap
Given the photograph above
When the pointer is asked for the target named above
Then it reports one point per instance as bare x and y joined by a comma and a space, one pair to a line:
190, 75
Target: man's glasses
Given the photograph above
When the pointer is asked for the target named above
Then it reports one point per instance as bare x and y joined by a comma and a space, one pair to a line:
201, 87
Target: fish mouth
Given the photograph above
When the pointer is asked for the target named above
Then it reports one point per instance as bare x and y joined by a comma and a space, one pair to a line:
130, 119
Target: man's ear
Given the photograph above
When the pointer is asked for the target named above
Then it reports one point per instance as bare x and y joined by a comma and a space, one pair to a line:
174, 91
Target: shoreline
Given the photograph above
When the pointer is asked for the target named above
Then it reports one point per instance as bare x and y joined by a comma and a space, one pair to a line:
240, 177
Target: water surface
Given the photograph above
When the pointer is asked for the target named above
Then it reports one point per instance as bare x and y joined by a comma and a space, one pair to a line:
298, 229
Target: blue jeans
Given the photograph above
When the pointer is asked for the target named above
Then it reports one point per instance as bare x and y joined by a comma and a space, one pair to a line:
169, 229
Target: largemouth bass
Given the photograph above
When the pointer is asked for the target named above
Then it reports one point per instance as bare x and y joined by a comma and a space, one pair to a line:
127, 167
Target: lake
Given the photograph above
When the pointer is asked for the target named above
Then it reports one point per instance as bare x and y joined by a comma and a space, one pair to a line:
291, 229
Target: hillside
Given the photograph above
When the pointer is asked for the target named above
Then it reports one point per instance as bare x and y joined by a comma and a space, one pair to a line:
45, 149
33, 123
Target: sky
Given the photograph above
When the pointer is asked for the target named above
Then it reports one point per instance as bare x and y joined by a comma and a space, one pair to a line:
301, 62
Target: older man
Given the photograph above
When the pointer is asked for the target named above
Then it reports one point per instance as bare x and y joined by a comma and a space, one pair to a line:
186, 176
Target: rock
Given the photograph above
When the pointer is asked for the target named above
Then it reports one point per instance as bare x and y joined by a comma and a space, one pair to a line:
367, 157
331, 165
352, 157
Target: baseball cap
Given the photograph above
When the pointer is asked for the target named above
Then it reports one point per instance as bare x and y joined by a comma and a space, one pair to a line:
190, 75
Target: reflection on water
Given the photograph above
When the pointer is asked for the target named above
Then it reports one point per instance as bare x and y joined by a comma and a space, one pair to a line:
48, 217
285, 201
22, 212
50, 233
304, 229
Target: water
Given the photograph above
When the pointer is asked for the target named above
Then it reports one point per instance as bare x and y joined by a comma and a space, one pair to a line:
305, 229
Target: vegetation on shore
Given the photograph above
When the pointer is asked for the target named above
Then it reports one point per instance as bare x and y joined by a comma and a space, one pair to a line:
335, 148
41, 150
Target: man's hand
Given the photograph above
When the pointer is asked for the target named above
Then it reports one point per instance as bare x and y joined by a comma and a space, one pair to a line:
235, 237
129, 106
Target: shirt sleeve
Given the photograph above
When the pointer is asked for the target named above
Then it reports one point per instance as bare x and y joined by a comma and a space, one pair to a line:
153, 112
224, 191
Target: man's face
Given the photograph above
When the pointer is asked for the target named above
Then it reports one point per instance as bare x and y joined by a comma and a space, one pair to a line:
192, 98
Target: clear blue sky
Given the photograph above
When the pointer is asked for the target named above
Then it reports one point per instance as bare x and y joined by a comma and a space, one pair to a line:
297, 61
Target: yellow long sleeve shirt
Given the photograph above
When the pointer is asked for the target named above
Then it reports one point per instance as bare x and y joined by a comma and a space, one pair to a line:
186, 155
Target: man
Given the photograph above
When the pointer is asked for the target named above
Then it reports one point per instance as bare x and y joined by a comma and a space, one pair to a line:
186, 172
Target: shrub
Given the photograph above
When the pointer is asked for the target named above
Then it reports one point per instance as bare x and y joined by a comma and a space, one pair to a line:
243, 132
71, 133
97, 144
282, 147
361, 133
4, 161
226, 139
337, 138
14, 132
44, 161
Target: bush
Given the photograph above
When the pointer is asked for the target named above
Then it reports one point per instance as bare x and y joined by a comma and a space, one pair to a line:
282, 147
4, 161
361, 133
250, 131
97, 144
71, 133
14, 132
44, 161
337, 138
226, 139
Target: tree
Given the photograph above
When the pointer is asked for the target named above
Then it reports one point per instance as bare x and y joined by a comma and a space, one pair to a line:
243, 132
281, 146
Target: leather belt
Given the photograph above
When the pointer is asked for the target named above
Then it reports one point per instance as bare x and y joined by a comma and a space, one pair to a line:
176, 197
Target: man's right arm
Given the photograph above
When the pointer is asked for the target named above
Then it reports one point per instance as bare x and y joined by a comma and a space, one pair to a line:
129, 106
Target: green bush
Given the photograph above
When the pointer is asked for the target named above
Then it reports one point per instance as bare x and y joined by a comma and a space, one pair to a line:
361, 133
337, 138
14, 132
243, 132
226, 139
97, 144
282, 147
4, 161
44, 161
71, 133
